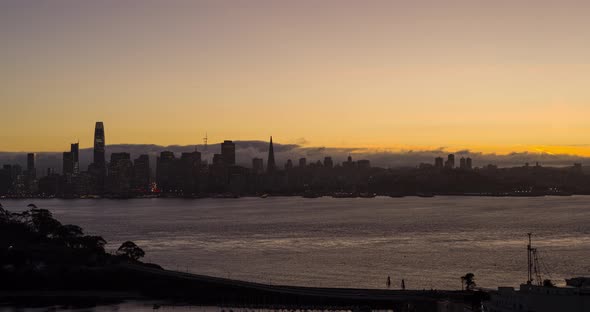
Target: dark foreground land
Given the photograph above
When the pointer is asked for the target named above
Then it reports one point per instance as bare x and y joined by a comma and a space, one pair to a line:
45, 262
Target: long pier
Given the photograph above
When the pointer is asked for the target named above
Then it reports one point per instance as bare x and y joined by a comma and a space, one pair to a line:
200, 289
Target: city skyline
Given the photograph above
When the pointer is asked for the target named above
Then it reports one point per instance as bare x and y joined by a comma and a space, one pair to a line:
496, 77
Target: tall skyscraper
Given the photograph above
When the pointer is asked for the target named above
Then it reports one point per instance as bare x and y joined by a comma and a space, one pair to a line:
270, 164
67, 163
228, 152
31, 170
75, 150
99, 144
468, 163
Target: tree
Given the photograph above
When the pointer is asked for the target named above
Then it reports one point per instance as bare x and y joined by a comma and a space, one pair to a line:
44, 223
469, 281
131, 251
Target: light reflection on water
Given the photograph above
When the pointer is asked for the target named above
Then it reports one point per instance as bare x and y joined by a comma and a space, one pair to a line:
429, 242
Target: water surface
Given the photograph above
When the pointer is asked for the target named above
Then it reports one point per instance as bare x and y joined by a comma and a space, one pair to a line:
345, 242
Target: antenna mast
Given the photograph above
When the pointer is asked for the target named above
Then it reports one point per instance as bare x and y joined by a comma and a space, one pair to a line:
534, 266
205, 141
529, 260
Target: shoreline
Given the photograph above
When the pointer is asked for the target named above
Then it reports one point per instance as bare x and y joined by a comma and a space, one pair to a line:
96, 197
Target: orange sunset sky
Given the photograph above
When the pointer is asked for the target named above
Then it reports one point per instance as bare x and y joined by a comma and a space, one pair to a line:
490, 76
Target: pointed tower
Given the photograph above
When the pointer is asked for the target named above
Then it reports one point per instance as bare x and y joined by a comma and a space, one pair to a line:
270, 164
99, 144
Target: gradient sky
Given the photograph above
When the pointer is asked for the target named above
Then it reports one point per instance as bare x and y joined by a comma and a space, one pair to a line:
492, 76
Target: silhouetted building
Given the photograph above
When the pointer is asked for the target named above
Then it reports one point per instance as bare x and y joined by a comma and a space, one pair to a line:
363, 163
270, 164
438, 162
120, 174
462, 163
31, 170
6, 179
99, 144
218, 159
141, 173
67, 163
257, 165
302, 162
328, 163
228, 152
349, 163
289, 164
75, 150
190, 166
450, 161
468, 163
98, 169
166, 172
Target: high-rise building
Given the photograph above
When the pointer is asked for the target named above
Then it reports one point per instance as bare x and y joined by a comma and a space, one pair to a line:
189, 172
328, 162
468, 163
289, 164
99, 144
67, 163
450, 161
31, 170
228, 152
75, 150
257, 165
438, 162
270, 164
141, 173
302, 162
120, 173
462, 163
166, 172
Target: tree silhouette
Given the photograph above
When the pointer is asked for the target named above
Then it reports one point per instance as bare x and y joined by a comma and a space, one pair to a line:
130, 250
43, 222
469, 281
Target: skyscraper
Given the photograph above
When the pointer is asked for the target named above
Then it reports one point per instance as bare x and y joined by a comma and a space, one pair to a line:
270, 164
328, 162
99, 144
75, 150
302, 162
228, 152
438, 162
31, 170
141, 173
450, 161
468, 163
67, 163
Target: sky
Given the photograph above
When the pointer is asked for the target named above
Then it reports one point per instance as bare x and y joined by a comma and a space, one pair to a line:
488, 76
